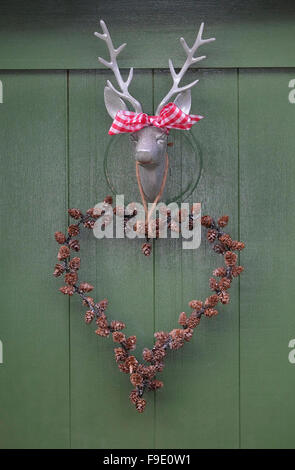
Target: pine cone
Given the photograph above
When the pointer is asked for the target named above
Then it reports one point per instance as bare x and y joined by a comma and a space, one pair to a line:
60, 237
71, 278
156, 384
89, 315
58, 270
130, 343
104, 332
85, 287
140, 405
211, 312
193, 321
226, 240
196, 305
224, 283
219, 272
95, 212
206, 221
132, 363
211, 301
108, 200
161, 337
67, 290
102, 321
213, 284
134, 397
239, 246
75, 263
218, 248
117, 325
136, 379
188, 334
224, 297
211, 235
158, 354
237, 270
74, 245
223, 221
182, 319
73, 230
230, 258
147, 355
75, 213
63, 253
89, 223
88, 301
146, 249
123, 368
118, 337
120, 354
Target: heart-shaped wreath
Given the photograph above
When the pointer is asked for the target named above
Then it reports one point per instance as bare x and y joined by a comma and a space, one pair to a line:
143, 375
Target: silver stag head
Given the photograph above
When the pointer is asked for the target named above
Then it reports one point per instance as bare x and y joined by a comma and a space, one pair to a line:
150, 143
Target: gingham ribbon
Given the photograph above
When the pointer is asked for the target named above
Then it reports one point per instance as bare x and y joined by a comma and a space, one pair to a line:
170, 117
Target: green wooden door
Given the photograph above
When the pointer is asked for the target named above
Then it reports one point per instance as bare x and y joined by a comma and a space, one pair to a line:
232, 386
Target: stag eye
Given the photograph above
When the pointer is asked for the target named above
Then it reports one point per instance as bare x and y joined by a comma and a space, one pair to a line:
133, 138
161, 139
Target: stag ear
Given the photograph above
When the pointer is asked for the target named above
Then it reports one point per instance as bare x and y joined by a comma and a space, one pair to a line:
183, 101
113, 102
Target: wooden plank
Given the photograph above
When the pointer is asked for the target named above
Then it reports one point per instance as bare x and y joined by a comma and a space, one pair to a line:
102, 416
267, 224
59, 34
34, 328
201, 380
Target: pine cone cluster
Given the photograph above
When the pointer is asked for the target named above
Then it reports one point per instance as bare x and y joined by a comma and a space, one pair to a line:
143, 376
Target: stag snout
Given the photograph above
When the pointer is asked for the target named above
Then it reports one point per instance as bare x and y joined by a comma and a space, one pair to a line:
150, 146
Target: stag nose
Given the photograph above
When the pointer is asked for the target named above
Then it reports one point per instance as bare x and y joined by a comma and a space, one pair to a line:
144, 157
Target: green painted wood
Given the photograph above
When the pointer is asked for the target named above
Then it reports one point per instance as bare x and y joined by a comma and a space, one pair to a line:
267, 201
59, 34
201, 380
101, 414
34, 325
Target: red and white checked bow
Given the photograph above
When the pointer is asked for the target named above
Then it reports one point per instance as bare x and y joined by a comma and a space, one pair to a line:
170, 117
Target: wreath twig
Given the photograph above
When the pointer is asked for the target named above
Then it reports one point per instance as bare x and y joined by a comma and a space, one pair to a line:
143, 375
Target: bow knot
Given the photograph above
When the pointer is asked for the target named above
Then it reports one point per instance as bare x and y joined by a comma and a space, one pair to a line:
170, 117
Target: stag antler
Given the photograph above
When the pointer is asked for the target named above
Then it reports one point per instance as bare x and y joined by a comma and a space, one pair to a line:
113, 65
189, 61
